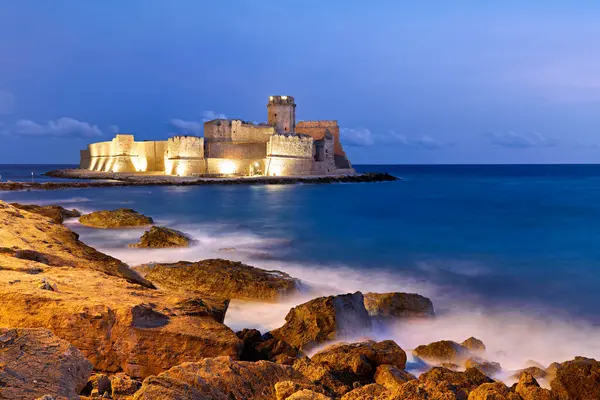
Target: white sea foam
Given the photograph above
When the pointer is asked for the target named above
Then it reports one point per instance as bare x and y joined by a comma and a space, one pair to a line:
512, 335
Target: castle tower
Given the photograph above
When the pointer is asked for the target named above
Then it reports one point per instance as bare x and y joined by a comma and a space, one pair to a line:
282, 113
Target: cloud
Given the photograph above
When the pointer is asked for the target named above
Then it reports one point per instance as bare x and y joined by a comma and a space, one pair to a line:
62, 127
359, 137
521, 140
364, 137
195, 127
7, 103
114, 129
188, 126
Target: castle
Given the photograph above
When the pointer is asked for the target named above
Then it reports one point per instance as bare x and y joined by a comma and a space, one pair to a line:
280, 147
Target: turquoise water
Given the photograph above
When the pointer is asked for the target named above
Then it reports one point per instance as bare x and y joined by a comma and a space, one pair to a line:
488, 239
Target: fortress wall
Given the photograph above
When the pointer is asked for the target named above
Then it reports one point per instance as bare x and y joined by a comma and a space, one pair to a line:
84, 159
148, 155
218, 130
288, 166
237, 151
238, 167
317, 130
324, 158
246, 132
289, 155
123, 154
185, 156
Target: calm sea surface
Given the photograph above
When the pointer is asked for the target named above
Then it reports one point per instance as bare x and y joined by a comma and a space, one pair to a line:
493, 238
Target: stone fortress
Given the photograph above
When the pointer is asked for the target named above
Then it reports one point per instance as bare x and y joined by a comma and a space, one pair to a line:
280, 147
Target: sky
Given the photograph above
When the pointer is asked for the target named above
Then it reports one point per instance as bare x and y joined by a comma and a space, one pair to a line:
427, 82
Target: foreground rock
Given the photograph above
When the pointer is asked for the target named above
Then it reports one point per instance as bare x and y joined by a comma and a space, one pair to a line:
443, 351
441, 383
219, 379
357, 362
230, 279
57, 214
398, 305
31, 236
577, 379
161, 237
120, 218
117, 325
324, 319
34, 362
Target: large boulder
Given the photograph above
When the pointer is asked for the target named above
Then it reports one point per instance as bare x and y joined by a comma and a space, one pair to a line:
489, 368
443, 351
577, 379
306, 394
441, 383
119, 218
34, 363
357, 362
493, 391
529, 389
324, 319
56, 214
161, 237
474, 345
321, 373
229, 279
373, 391
398, 305
219, 378
33, 237
391, 376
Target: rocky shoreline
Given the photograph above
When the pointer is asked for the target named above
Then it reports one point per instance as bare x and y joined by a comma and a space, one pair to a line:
79, 324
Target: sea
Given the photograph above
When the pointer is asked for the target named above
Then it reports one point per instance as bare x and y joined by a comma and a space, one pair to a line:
509, 254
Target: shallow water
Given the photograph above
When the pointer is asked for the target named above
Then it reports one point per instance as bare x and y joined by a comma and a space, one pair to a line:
509, 254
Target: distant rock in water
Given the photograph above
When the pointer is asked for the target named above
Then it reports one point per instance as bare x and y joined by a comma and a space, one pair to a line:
34, 362
398, 305
230, 279
56, 213
120, 218
443, 351
161, 237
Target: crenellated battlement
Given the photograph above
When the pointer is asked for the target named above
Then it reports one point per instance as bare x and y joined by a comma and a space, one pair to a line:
316, 124
281, 100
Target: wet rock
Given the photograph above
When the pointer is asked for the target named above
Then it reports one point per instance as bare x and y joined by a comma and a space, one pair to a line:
441, 383
357, 362
219, 378
442, 351
274, 349
323, 319
120, 218
529, 389
398, 305
493, 391
251, 338
372, 391
230, 279
391, 376
474, 345
487, 367
199, 307
321, 373
536, 372
285, 389
577, 379
34, 362
161, 237
55, 213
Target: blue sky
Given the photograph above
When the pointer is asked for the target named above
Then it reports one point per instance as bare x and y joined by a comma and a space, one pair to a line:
409, 82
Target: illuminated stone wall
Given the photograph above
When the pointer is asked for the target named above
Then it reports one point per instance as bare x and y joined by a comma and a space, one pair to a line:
123, 154
289, 155
237, 151
229, 167
281, 113
218, 130
185, 156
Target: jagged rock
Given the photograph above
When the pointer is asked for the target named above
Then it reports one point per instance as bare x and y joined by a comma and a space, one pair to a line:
493, 391
123, 386
56, 214
529, 389
323, 319
99, 384
120, 218
487, 367
34, 362
320, 373
391, 376
219, 378
442, 351
536, 372
372, 391
441, 383
357, 362
285, 389
161, 237
200, 307
398, 305
306, 394
474, 345
251, 338
45, 284
577, 379
230, 279
35, 238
